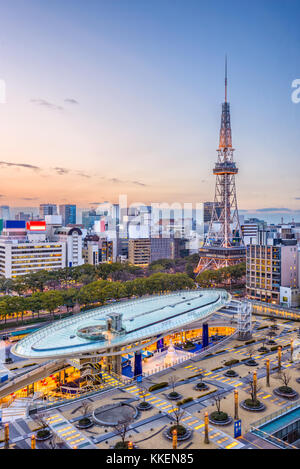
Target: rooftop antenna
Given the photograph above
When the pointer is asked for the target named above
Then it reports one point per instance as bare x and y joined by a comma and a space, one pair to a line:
226, 78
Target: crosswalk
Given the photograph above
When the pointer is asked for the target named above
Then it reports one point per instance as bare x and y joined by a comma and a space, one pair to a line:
218, 376
218, 437
266, 396
69, 434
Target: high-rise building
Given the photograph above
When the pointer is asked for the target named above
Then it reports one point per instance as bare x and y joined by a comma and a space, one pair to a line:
4, 212
25, 249
72, 237
250, 229
144, 251
89, 217
224, 244
208, 208
271, 264
47, 209
68, 214
139, 251
90, 250
106, 253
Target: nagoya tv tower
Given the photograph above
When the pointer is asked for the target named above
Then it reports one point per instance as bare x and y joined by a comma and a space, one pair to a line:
224, 243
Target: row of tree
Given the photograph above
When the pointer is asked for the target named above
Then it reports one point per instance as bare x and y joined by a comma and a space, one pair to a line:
97, 292
233, 274
63, 278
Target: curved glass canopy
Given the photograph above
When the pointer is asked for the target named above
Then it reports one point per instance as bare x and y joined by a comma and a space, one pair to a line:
139, 319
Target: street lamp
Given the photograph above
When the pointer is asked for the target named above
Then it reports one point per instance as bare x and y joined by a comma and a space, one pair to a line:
174, 434
279, 357
268, 372
206, 439
236, 404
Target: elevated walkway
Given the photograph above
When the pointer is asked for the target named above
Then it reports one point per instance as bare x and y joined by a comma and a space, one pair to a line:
17, 409
19, 382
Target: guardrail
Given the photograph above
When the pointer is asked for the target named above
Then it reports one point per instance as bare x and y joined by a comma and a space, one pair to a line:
272, 439
190, 356
278, 413
271, 310
28, 374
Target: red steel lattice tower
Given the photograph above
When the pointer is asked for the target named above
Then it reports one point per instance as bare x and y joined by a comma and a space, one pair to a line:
224, 243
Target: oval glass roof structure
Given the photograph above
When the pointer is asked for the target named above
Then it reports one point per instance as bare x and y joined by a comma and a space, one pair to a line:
121, 323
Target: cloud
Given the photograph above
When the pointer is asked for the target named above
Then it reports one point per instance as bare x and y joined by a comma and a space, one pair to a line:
71, 101
47, 104
61, 171
120, 181
82, 174
29, 198
95, 203
138, 183
20, 165
296, 198
274, 209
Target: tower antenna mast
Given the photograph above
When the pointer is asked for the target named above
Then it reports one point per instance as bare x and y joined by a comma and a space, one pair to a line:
226, 78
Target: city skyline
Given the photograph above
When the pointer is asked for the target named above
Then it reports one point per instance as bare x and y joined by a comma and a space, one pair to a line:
126, 98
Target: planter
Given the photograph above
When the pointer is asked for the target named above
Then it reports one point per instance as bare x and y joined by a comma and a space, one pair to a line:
263, 349
231, 374
246, 405
221, 418
85, 422
174, 396
183, 433
298, 380
271, 342
144, 406
251, 362
121, 445
201, 387
286, 392
42, 435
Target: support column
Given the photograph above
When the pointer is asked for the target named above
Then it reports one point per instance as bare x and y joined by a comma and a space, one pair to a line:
205, 335
109, 364
138, 367
117, 364
160, 344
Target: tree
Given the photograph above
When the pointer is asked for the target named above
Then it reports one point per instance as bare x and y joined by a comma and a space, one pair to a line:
35, 303
177, 414
70, 297
285, 378
253, 390
217, 399
172, 382
19, 286
86, 408
6, 285
250, 352
122, 429
51, 300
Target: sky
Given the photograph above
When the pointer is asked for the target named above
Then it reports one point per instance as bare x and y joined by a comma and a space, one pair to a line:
110, 97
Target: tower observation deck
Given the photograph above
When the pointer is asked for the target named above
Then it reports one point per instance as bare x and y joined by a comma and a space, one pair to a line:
224, 243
